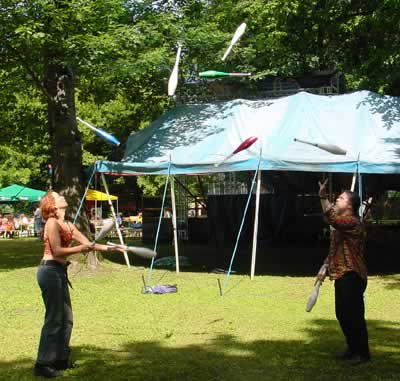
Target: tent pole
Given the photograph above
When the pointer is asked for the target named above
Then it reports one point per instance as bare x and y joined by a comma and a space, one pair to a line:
222, 289
148, 282
360, 192
121, 240
255, 232
174, 224
95, 201
84, 195
353, 181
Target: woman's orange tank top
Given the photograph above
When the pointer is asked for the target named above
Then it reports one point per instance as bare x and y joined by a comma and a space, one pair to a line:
66, 239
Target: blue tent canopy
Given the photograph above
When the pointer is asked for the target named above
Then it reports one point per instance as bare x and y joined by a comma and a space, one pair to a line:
195, 137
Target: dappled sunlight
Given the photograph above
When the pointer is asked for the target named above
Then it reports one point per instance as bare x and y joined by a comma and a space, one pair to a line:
388, 108
227, 357
258, 330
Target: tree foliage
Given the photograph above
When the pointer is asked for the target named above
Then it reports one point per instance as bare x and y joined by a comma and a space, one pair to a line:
122, 52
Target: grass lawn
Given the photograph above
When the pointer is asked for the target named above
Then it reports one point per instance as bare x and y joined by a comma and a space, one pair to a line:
258, 330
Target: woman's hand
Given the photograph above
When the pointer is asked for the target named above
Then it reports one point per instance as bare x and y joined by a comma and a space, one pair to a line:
115, 248
87, 247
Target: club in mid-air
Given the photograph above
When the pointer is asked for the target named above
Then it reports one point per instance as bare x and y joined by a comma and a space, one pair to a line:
331, 148
101, 133
139, 251
219, 74
108, 224
173, 79
242, 146
238, 33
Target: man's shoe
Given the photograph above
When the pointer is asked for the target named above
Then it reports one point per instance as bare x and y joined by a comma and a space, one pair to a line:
358, 359
46, 371
346, 355
64, 364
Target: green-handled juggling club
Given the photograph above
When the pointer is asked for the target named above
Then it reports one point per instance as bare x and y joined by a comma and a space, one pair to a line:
219, 74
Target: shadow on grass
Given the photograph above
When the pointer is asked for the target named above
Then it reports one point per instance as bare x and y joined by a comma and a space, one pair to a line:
276, 259
225, 357
272, 258
392, 282
20, 253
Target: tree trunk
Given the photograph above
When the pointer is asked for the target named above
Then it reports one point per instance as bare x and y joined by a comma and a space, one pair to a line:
65, 140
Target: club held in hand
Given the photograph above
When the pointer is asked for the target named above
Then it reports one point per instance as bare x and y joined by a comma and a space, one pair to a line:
173, 79
315, 292
242, 146
139, 251
314, 296
331, 148
238, 33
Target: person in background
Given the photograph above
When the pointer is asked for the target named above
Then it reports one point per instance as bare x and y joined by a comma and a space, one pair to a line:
23, 222
54, 352
3, 226
37, 222
9, 229
119, 219
16, 223
346, 266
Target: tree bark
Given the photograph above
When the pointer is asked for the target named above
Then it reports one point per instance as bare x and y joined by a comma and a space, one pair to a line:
65, 140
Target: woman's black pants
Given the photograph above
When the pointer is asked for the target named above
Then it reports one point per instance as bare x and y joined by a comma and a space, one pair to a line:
56, 332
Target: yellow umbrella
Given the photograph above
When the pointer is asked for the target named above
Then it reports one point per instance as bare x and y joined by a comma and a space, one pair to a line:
94, 195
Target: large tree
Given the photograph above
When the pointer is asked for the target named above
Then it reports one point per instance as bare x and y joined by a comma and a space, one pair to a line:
38, 41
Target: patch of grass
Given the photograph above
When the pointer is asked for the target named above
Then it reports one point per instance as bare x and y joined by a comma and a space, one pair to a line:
258, 330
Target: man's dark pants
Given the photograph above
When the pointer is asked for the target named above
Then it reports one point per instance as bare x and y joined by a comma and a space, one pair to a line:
350, 312
57, 327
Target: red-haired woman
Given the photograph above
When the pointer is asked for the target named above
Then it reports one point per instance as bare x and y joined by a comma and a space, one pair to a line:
54, 350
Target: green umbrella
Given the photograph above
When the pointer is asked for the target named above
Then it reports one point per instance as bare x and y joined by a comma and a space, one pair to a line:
14, 193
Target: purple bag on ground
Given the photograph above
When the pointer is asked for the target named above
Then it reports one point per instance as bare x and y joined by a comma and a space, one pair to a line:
161, 289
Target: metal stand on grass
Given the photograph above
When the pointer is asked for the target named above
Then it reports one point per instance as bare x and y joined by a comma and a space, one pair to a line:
148, 281
121, 240
222, 289
255, 232
174, 225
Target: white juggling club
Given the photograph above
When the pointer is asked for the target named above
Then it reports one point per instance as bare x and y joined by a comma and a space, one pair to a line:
173, 79
314, 296
139, 251
315, 292
239, 32
108, 224
331, 148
